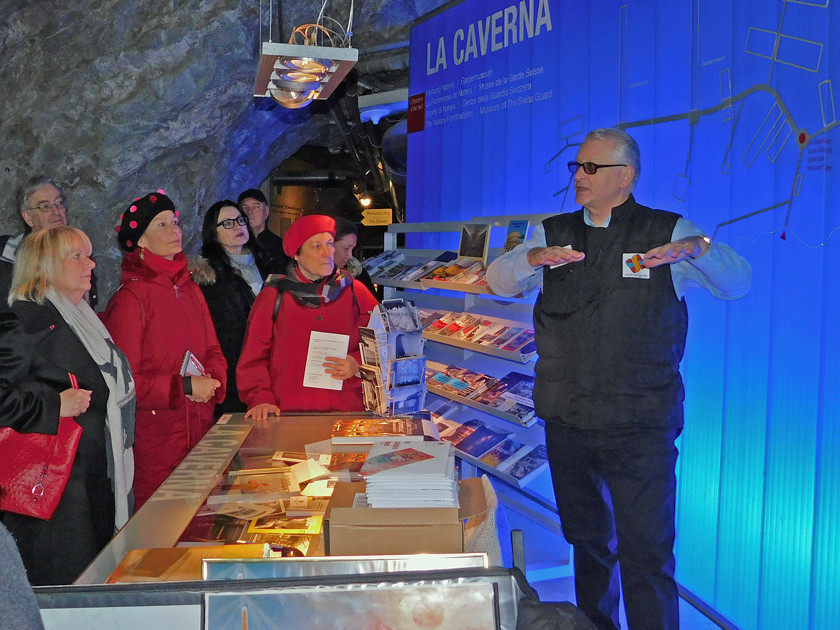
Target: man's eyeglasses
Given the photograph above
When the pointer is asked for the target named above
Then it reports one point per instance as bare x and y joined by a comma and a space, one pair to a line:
47, 207
229, 224
590, 168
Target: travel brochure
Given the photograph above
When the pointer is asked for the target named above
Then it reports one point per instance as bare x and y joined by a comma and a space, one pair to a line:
517, 232
491, 447
480, 330
510, 395
392, 266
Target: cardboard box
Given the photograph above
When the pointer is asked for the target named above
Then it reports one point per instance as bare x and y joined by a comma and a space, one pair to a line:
350, 531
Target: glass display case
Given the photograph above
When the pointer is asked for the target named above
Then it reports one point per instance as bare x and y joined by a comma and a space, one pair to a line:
165, 516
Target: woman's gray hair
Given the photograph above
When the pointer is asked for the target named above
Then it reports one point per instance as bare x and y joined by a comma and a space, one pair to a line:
33, 185
627, 151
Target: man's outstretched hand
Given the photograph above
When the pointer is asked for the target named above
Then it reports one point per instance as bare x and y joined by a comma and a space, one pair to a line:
674, 252
554, 255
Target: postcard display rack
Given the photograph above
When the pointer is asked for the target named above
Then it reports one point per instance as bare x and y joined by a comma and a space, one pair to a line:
449, 290
393, 366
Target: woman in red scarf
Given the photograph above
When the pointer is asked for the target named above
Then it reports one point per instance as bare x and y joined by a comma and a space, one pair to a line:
156, 316
313, 296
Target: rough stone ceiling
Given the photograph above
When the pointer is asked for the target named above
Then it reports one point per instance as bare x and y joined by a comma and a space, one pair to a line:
117, 98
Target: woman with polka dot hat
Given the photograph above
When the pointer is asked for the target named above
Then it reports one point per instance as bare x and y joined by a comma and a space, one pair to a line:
156, 316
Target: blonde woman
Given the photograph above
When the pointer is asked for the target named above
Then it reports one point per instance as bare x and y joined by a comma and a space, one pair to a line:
49, 333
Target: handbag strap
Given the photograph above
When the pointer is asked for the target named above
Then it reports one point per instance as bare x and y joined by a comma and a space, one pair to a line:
38, 489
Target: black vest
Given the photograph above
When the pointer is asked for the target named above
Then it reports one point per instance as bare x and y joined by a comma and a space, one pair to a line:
610, 347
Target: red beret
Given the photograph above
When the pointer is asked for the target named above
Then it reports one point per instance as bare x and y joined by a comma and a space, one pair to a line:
304, 229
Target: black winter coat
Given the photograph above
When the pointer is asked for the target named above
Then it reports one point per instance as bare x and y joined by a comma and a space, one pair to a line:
37, 350
229, 298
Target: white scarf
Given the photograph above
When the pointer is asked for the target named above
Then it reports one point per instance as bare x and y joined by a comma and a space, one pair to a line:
119, 419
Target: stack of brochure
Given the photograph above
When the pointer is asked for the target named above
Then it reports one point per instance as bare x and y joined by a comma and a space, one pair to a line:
401, 474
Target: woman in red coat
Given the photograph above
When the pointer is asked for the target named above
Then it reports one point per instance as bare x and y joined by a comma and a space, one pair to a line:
156, 316
314, 296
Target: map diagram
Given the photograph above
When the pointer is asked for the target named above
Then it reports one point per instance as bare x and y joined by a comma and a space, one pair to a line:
767, 131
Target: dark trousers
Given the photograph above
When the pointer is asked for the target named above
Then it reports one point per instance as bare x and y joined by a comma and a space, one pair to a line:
615, 492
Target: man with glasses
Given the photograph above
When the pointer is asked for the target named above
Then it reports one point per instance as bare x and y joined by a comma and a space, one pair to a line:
611, 324
42, 205
253, 203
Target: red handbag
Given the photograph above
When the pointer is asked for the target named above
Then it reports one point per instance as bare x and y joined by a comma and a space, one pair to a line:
35, 467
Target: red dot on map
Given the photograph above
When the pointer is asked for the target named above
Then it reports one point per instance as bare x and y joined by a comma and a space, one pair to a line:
802, 138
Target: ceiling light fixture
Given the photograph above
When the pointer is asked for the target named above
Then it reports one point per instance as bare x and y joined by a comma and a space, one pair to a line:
309, 67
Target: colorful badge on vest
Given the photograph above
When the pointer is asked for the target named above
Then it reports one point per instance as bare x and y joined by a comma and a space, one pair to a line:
633, 266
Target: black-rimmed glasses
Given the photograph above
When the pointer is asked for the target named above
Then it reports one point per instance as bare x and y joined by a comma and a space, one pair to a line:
229, 224
590, 168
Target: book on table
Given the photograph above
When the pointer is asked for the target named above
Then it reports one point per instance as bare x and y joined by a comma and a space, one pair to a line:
511, 394
391, 458
445, 426
257, 488
459, 381
286, 525
410, 474
284, 544
363, 431
492, 334
428, 316
307, 506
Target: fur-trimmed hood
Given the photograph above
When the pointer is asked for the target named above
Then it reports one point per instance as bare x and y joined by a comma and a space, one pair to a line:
201, 271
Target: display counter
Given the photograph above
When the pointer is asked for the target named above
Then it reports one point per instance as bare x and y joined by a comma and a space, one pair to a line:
161, 521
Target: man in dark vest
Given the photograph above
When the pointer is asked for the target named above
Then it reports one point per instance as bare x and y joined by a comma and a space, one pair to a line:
610, 326
42, 205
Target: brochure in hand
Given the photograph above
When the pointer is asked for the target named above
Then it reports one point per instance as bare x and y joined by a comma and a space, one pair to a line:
191, 366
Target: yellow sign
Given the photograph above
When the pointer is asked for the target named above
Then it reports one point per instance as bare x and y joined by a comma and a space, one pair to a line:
377, 216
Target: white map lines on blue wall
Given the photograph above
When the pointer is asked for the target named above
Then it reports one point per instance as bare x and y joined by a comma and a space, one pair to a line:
769, 137
774, 132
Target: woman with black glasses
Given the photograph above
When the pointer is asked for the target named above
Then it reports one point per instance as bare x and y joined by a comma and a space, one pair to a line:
230, 276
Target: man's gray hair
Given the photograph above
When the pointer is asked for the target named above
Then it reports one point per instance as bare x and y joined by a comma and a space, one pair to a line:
627, 151
33, 185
